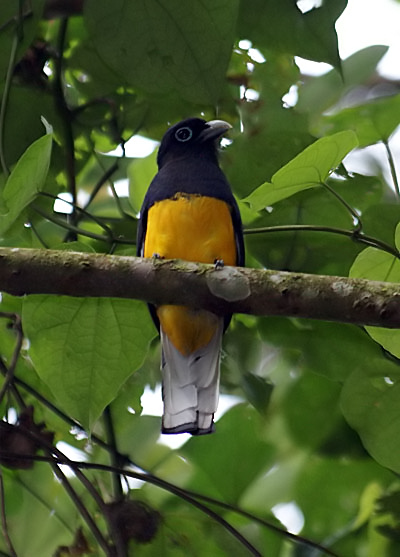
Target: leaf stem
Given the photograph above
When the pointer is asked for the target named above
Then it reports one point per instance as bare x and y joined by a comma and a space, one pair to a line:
392, 167
349, 208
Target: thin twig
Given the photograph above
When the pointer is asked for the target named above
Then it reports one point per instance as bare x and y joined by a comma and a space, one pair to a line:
82, 212
3, 513
16, 394
17, 349
114, 453
101, 182
66, 118
187, 495
81, 508
56, 458
354, 235
191, 497
4, 102
123, 459
38, 235
74, 229
75, 465
107, 178
120, 545
293, 537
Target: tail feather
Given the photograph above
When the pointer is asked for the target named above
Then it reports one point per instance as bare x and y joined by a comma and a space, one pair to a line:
191, 386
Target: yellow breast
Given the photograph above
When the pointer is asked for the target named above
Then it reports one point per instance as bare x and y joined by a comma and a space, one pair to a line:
193, 228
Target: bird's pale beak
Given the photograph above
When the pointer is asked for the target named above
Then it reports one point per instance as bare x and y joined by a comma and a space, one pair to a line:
214, 130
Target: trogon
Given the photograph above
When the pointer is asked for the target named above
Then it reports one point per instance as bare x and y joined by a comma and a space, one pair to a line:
189, 213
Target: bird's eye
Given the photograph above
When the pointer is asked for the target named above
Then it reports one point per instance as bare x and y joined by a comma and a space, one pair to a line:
183, 134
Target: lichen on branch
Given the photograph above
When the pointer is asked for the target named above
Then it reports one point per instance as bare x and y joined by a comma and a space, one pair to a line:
226, 290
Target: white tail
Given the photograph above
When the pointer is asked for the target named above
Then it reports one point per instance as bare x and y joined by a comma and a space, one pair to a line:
190, 386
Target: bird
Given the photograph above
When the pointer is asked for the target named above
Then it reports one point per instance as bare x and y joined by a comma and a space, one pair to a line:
189, 213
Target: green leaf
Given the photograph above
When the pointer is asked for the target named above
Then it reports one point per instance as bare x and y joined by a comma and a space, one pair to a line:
173, 48
280, 26
258, 391
26, 180
213, 455
367, 504
310, 168
319, 40
85, 349
372, 122
23, 120
370, 402
311, 409
327, 485
322, 92
34, 498
374, 264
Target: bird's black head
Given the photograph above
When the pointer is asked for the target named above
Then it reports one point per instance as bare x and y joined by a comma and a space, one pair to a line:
191, 137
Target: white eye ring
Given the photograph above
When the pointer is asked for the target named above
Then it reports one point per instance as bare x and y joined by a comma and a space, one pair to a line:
183, 134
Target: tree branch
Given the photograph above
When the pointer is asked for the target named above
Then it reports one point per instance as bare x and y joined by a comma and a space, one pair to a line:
226, 290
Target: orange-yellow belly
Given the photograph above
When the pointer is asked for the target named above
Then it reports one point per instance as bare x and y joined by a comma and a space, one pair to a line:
193, 228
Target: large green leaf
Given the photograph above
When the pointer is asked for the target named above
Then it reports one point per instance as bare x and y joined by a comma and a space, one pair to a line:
166, 47
279, 25
85, 349
370, 402
310, 168
378, 265
26, 180
372, 122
